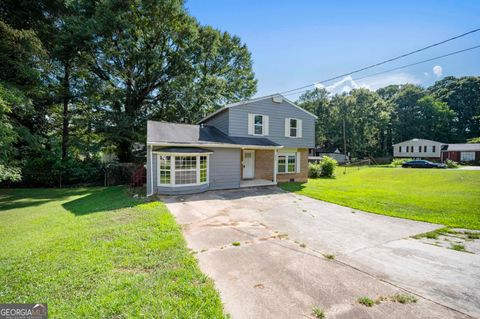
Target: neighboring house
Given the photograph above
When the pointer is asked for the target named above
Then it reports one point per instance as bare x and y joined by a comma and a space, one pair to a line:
420, 148
461, 152
316, 154
251, 143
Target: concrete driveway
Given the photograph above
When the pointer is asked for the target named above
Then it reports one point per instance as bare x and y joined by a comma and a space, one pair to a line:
278, 267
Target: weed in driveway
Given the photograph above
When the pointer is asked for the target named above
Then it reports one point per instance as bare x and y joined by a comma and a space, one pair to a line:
303, 245
318, 313
472, 235
329, 256
457, 247
236, 243
403, 298
366, 301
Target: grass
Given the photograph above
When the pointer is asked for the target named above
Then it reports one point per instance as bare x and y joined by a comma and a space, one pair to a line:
404, 299
98, 253
236, 243
366, 301
318, 313
448, 197
329, 256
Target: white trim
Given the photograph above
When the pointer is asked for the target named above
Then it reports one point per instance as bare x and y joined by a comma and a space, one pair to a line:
172, 169
251, 124
287, 154
216, 145
151, 170
255, 100
288, 128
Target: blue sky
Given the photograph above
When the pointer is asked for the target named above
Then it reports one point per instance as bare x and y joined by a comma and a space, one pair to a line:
294, 43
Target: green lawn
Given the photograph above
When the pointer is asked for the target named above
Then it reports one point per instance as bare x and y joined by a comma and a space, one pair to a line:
98, 253
449, 197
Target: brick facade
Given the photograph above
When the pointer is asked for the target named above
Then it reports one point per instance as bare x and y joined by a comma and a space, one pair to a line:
297, 177
264, 164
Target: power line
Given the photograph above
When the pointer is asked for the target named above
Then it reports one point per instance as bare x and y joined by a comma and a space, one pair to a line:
387, 61
402, 67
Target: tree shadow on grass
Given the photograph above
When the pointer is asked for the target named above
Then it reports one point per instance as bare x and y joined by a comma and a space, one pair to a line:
101, 200
15, 198
292, 186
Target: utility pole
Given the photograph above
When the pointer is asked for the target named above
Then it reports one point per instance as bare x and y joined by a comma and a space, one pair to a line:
344, 146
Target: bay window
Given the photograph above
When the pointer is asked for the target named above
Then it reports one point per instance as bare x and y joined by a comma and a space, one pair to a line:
182, 169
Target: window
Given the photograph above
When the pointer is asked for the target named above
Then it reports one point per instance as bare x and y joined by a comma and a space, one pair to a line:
407, 149
287, 163
164, 169
425, 149
293, 127
257, 124
411, 149
467, 156
182, 169
419, 149
203, 169
399, 149
433, 148
185, 170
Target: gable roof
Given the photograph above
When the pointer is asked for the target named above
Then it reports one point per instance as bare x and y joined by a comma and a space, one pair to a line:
164, 133
226, 107
418, 139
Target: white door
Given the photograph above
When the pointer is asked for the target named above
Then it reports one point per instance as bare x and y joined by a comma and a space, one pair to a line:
248, 164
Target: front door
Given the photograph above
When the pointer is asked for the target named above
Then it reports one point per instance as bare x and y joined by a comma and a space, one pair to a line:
248, 164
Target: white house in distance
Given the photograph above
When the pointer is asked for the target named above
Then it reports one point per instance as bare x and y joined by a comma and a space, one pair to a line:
420, 148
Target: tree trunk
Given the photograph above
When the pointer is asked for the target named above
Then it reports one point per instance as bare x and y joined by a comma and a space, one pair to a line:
66, 115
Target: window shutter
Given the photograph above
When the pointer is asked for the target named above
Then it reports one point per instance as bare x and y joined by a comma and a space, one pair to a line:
299, 128
265, 125
287, 127
297, 162
250, 124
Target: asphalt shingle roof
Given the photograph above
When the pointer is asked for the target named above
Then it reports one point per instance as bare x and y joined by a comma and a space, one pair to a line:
175, 133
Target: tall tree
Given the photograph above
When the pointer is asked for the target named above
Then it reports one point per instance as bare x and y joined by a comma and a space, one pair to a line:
157, 62
463, 96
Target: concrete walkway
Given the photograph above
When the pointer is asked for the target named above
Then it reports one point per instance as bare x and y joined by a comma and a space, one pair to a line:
279, 269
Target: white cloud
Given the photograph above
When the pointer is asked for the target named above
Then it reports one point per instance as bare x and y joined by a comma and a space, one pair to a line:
438, 70
373, 83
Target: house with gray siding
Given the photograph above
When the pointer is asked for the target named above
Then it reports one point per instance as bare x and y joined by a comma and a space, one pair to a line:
257, 142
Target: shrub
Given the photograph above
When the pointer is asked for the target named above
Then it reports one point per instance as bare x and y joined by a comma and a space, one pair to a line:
314, 170
318, 313
451, 164
328, 166
400, 161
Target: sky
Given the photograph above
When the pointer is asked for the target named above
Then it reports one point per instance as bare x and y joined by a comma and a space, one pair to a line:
296, 43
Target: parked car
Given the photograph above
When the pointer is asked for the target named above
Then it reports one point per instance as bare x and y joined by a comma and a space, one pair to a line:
423, 164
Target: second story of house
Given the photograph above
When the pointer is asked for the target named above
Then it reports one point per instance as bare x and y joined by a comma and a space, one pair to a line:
273, 117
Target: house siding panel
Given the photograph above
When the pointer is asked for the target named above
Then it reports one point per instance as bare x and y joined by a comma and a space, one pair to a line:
220, 121
224, 173
277, 113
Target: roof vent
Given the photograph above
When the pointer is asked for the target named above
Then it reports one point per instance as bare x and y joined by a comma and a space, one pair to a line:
277, 99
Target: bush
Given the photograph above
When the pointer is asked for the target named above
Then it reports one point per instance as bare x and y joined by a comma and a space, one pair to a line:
314, 170
328, 166
325, 168
400, 161
451, 164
